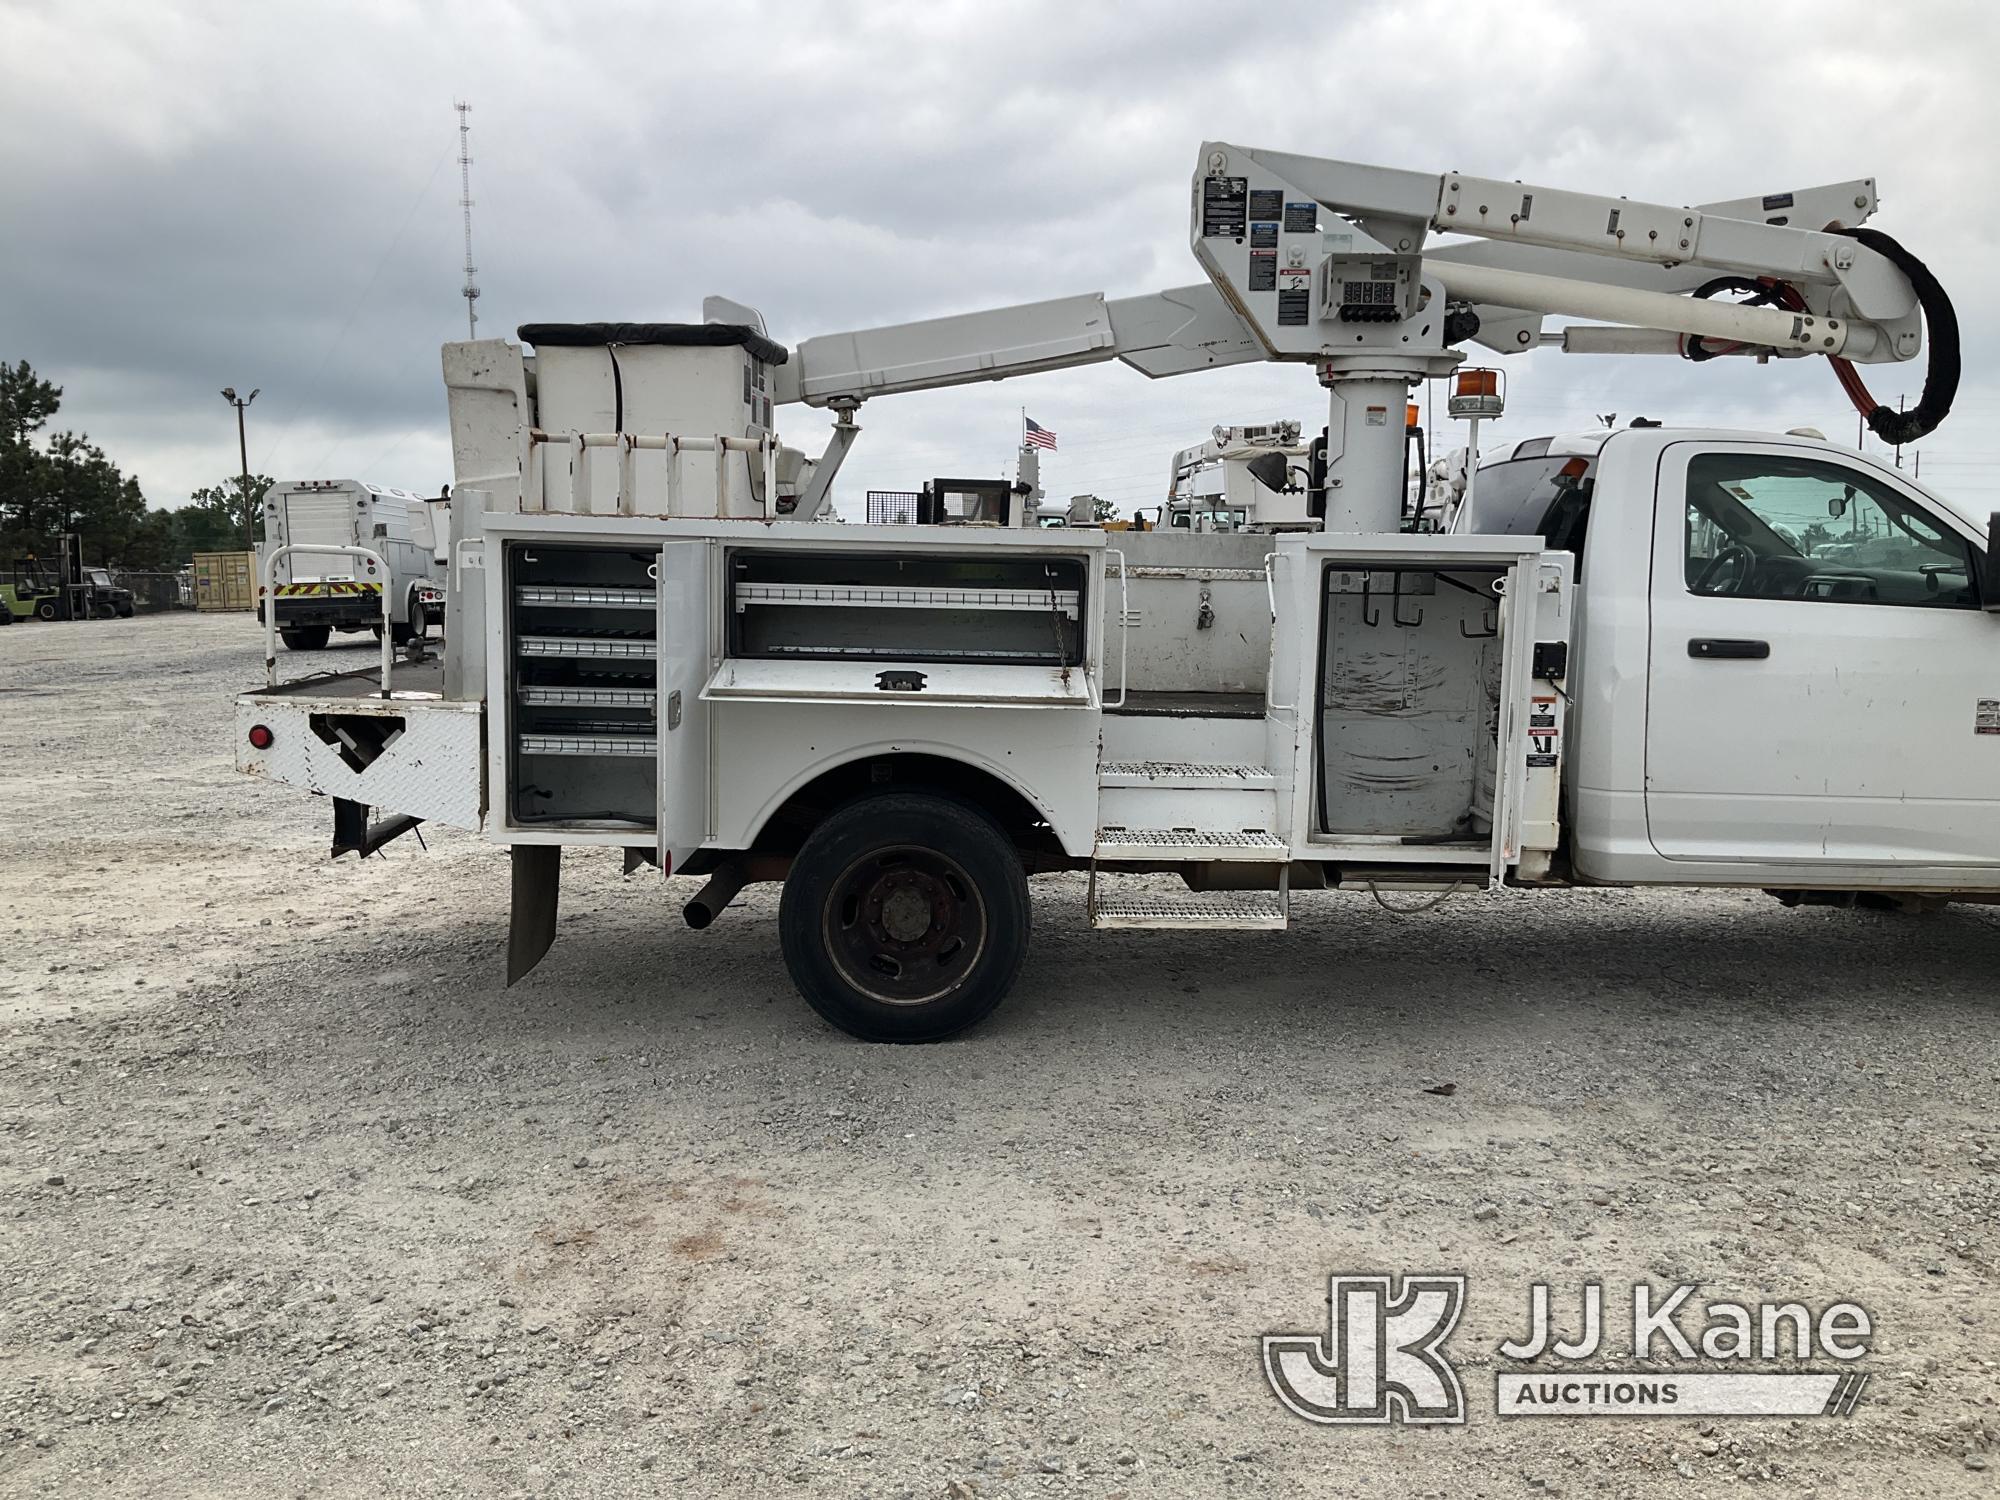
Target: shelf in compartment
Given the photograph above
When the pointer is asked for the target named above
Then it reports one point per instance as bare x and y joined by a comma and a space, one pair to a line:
584, 596
850, 653
631, 649
569, 729
587, 697
587, 744
867, 596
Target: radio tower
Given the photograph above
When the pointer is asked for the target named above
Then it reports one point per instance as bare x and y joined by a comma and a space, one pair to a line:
471, 289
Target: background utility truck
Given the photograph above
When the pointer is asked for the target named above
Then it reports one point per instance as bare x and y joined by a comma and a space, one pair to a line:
319, 591
1643, 673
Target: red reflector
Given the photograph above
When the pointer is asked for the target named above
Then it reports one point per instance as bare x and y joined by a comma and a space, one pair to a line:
260, 737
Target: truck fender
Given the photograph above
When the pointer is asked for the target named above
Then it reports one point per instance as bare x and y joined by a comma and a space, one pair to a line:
1076, 835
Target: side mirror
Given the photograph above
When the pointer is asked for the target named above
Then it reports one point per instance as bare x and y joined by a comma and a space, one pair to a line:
1989, 572
1269, 470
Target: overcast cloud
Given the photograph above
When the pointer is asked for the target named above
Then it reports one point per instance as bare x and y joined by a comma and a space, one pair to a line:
196, 195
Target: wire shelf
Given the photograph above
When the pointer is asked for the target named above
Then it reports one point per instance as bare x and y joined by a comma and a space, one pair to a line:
579, 596
587, 697
587, 645
862, 596
587, 744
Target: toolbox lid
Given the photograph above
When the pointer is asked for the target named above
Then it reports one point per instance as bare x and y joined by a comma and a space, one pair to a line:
682, 335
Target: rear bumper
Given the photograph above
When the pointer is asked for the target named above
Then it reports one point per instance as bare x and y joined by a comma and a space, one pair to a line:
342, 613
327, 737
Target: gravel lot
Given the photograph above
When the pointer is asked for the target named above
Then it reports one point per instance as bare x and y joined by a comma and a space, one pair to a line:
296, 1199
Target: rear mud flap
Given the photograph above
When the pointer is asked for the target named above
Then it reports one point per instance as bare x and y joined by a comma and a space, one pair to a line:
531, 925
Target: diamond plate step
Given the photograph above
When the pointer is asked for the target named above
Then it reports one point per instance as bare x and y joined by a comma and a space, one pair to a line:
1212, 910
1191, 844
1204, 775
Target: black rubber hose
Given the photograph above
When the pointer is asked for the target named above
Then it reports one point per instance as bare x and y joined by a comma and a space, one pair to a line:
1941, 376
1757, 294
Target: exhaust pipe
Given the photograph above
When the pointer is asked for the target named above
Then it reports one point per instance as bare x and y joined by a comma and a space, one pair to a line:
709, 901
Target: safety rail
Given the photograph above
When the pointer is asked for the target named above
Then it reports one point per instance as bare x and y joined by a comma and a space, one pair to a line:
270, 602
629, 445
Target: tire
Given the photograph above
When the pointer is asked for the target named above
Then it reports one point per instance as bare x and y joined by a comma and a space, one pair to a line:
418, 626
867, 875
306, 637
46, 610
126, 611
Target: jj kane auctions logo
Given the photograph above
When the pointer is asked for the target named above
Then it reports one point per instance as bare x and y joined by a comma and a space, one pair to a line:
1382, 1357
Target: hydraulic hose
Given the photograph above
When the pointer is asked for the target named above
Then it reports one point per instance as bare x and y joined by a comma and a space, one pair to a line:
1942, 372
1756, 293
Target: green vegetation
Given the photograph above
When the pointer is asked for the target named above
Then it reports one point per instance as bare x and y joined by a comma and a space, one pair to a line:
64, 482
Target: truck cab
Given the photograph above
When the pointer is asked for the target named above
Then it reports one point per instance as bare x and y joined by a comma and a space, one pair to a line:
1786, 670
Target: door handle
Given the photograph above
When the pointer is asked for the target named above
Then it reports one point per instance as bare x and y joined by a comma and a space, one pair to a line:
1707, 648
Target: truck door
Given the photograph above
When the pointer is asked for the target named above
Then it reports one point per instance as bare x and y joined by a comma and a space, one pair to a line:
687, 656
1824, 688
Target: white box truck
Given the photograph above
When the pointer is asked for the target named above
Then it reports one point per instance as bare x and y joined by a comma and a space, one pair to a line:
318, 592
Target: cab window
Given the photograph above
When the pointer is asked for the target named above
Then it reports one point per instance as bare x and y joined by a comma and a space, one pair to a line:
1546, 496
1768, 526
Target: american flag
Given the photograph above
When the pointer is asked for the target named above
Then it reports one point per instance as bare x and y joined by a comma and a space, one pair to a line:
1038, 436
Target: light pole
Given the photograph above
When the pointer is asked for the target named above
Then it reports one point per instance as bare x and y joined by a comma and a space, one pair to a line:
243, 457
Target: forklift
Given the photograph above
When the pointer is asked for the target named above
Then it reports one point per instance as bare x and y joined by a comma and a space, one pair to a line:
65, 590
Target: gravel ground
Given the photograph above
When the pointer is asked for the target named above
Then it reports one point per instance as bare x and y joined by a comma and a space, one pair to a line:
297, 1199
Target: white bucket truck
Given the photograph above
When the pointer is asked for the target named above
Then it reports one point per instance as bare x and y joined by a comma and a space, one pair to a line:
1653, 671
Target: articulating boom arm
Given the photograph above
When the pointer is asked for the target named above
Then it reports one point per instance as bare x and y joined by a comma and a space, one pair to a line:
1325, 262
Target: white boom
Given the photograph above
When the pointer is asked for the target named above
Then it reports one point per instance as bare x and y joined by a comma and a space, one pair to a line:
1325, 262
1569, 254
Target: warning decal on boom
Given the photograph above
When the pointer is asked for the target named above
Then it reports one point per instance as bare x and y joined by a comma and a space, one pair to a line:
1223, 203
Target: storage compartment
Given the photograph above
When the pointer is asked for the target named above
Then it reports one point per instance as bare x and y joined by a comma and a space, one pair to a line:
1001, 610
691, 380
1409, 699
583, 626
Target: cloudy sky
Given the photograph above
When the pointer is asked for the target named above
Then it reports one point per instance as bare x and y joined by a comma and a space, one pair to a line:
200, 195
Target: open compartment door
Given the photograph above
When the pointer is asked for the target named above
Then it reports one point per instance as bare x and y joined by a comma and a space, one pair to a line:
686, 634
1422, 711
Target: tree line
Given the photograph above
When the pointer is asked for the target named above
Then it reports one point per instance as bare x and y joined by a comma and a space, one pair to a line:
59, 483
